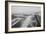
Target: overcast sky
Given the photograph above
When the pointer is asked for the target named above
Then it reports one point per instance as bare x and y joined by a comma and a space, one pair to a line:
25, 9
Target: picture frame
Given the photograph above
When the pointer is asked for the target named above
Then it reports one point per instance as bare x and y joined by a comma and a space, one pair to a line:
21, 8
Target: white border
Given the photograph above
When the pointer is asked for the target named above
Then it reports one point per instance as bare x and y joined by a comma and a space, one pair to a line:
23, 29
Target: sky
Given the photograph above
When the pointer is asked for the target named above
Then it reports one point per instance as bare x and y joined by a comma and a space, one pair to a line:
25, 9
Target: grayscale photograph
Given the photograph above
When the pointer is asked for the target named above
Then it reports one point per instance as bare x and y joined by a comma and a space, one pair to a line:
25, 16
